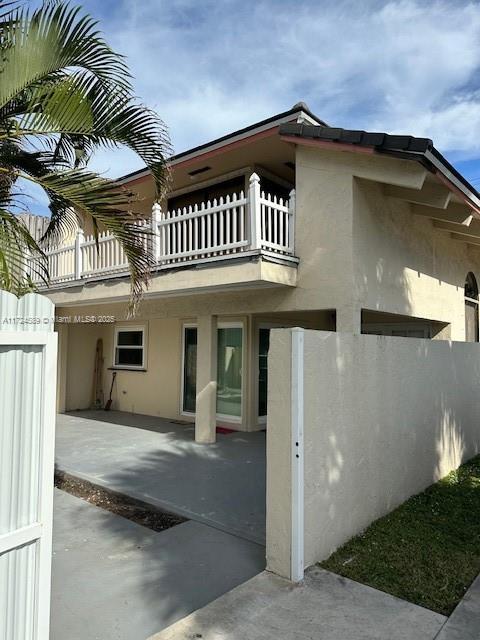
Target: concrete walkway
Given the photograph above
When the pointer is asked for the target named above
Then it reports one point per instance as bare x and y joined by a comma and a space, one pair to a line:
464, 623
116, 580
324, 607
158, 461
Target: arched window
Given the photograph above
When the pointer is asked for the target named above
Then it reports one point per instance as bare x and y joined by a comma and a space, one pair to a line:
471, 308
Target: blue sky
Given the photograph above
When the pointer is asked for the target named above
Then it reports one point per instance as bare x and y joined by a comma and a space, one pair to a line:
210, 67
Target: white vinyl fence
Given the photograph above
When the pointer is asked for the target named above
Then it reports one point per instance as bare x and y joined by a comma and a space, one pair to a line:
28, 349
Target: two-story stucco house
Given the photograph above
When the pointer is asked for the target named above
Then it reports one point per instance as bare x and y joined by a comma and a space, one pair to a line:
288, 222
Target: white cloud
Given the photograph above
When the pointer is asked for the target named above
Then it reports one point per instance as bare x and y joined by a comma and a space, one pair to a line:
405, 66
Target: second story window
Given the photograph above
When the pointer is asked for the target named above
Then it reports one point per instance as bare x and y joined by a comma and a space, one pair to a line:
471, 308
204, 194
130, 348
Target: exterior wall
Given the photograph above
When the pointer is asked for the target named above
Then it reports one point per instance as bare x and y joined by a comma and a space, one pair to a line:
404, 265
384, 418
357, 249
157, 391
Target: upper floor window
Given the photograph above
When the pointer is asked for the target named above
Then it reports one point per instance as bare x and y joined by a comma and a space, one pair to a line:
204, 194
471, 287
130, 348
471, 308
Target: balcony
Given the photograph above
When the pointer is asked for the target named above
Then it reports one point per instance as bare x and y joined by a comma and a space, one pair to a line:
230, 227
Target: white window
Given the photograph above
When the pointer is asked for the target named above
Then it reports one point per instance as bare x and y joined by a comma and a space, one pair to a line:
129, 348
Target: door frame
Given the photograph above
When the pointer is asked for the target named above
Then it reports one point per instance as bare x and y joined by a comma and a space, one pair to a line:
235, 324
185, 325
222, 324
263, 324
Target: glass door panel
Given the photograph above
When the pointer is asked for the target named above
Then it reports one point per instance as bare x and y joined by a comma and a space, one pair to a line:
189, 369
263, 345
229, 371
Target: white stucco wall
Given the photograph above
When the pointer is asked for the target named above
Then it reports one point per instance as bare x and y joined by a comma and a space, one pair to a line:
384, 418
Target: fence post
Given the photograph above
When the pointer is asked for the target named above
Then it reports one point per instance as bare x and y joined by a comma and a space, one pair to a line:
297, 455
255, 211
79, 239
291, 221
157, 248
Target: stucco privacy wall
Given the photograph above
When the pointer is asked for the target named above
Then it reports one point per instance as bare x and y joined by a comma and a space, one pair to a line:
383, 418
404, 265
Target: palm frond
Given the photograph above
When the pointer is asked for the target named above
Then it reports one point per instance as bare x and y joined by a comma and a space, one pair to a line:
106, 204
21, 258
55, 38
63, 94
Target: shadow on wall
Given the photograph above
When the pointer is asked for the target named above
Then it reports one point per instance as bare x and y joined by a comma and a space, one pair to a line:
191, 564
385, 418
400, 260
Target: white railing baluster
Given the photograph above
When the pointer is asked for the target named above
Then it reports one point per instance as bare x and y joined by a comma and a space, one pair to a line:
242, 219
189, 246
184, 248
226, 213
79, 238
275, 213
157, 244
208, 232
234, 219
291, 222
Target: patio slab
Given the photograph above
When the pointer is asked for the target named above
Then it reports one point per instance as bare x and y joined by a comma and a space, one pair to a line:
323, 607
115, 580
159, 462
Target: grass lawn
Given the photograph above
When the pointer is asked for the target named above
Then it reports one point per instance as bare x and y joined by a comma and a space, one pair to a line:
428, 550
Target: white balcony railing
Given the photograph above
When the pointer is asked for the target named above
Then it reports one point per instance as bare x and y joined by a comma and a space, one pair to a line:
224, 227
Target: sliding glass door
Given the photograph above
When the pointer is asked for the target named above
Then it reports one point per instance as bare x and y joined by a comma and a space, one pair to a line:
189, 369
263, 346
229, 371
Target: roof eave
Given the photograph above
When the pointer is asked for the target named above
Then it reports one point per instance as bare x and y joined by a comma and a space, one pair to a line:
269, 123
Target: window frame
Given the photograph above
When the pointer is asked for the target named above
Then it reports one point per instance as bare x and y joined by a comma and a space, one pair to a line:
143, 347
472, 302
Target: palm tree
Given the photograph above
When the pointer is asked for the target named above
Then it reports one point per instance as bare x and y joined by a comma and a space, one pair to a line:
63, 94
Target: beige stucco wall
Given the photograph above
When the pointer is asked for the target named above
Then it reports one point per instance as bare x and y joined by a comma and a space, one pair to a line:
360, 249
357, 249
155, 391
404, 265
384, 418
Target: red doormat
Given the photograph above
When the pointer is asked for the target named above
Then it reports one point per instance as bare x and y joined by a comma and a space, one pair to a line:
225, 430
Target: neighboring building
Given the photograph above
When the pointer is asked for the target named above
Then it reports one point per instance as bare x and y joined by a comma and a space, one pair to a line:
287, 222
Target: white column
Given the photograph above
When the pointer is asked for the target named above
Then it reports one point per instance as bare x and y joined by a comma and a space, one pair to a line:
255, 209
206, 401
79, 239
156, 230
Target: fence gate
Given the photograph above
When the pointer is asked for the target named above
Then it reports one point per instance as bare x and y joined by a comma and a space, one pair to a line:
28, 349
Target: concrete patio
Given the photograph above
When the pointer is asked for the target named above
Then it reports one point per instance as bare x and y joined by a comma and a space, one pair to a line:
323, 607
115, 580
159, 462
